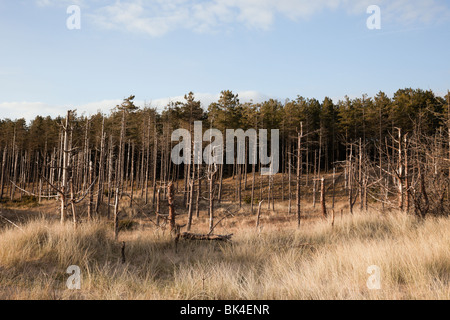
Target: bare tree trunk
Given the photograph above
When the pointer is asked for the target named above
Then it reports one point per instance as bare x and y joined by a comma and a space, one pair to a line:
16, 159
158, 207
53, 163
187, 172
60, 157
2, 183
322, 198
245, 167
65, 153
253, 180
259, 215
407, 195
120, 166
141, 178
110, 173
220, 184
40, 191
315, 179
147, 167
91, 193
127, 165
33, 176
400, 171
199, 191
116, 213
101, 170
191, 198
155, 161
72, 204
85, 161
170, 198
299, 174
240, 186
269, 189
132, 175
334, 187
319, 162
307, 162
119, 177
283, 167
380, 132
290, 177
360, 178
211, 199
350, 179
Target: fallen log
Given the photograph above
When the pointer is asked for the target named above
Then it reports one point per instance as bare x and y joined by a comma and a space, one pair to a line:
206, 237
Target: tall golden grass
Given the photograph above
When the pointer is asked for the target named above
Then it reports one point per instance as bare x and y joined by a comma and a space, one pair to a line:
316, 262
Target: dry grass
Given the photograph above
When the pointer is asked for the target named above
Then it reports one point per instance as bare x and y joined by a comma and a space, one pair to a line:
279, 262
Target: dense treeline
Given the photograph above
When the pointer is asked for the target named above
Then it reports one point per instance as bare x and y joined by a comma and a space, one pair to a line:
329, 125
128, 151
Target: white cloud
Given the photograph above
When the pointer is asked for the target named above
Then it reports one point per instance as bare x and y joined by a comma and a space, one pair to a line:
48, 3
158, 17
29, 110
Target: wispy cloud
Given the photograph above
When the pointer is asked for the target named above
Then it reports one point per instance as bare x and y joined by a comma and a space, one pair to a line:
158, 17
48, 3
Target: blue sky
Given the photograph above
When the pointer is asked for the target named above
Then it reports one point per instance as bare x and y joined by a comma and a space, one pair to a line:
160, 50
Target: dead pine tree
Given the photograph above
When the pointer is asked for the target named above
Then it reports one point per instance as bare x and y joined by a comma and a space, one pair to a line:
269, 190
258, 219
119, 176
110, 173
68, 178
132, 175
91, 193
158, 207
14, 157
155, 161
322, 198
400, 171
360, 176
211, 176
147, 167
290, 177
170, 201
299, 174
352, 195
334, 187
72, 203
2, 183
65, 164
191, 197
316, 173
101, 169
255, 156
407, 180
117, 193
199, 190
116, 213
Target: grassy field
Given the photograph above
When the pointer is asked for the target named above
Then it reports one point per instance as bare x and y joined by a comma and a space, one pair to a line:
275, 262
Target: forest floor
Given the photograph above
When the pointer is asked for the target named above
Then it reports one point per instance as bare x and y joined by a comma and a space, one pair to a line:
275, 261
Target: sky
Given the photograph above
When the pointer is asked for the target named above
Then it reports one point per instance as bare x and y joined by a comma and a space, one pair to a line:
159, 50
